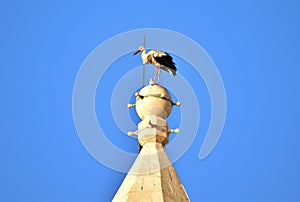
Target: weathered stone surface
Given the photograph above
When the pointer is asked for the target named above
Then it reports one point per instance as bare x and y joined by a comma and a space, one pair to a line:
148, 132
151, 178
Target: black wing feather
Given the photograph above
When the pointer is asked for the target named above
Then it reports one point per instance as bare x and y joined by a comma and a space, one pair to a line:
167, 61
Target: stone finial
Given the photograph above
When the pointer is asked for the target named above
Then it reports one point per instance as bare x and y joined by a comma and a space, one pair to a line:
155, 100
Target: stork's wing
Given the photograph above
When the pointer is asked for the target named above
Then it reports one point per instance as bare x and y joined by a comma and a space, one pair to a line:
157, 53
165, 60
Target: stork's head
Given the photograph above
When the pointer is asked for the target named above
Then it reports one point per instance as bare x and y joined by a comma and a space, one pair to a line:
141, 49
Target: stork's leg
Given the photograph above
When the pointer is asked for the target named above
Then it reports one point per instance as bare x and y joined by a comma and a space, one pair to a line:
158, 75
156, 71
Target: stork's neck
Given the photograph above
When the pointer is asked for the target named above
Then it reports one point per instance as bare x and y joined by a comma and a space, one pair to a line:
144, 56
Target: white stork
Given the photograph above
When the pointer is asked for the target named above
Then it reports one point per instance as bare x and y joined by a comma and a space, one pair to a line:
161, 60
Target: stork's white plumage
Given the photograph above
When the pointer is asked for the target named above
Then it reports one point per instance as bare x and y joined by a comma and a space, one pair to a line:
161, 60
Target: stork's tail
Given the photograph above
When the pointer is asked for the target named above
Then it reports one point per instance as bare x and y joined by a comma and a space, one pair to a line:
167, 69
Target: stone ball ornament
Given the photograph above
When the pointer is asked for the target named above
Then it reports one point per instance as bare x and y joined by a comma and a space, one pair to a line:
154, 100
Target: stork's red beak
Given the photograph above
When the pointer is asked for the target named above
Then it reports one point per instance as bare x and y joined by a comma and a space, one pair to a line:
136, 52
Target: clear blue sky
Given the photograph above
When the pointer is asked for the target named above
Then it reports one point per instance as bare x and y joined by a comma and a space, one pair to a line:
255, 45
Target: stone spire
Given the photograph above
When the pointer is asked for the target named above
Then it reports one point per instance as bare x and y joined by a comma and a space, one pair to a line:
152, 176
